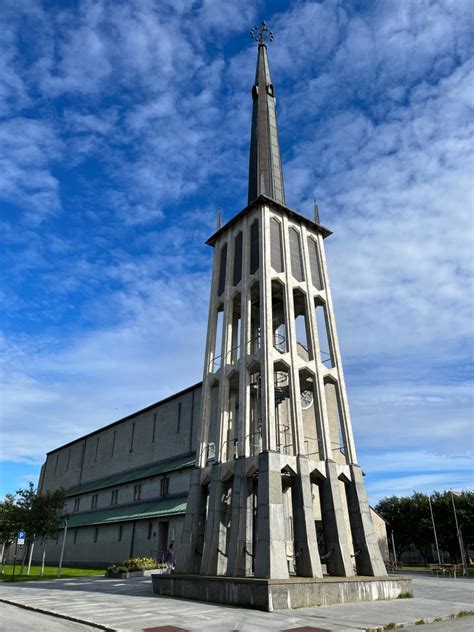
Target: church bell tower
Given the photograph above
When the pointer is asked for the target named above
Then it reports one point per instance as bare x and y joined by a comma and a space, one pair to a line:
277, 490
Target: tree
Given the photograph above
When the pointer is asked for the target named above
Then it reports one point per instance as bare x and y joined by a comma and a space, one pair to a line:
8, 522
37, 514
410, 519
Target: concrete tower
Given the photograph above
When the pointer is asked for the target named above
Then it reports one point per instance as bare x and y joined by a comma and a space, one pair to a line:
277, 489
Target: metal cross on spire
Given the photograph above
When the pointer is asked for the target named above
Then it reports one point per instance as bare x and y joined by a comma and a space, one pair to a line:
261, 33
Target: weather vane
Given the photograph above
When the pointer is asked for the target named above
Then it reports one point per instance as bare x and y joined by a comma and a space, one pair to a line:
261, 33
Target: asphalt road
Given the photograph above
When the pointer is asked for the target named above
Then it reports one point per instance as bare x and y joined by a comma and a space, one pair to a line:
15, 619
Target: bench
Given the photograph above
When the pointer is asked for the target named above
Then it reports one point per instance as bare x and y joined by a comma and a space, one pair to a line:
450, 570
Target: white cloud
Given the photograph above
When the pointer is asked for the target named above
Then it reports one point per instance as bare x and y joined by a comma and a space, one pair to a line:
375, 112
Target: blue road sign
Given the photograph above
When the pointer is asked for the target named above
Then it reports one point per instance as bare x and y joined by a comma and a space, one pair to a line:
21, 535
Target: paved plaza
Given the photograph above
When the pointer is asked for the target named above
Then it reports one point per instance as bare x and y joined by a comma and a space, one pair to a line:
128, 605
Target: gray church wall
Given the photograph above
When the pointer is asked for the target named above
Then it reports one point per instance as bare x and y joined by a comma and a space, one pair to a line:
103, 545
161, 432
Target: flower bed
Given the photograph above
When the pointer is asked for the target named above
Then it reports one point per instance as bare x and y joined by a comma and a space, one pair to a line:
135, 567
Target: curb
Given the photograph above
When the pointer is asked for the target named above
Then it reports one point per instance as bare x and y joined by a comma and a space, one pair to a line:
58, 615
410, 624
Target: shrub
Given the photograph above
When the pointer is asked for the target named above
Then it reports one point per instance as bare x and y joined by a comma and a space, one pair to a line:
405, 595
135, 564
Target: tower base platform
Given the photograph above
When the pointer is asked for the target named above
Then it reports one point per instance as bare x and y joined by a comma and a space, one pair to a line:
279, 594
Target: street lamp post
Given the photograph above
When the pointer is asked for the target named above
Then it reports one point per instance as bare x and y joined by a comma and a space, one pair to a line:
459, 535
434, 530
62, 547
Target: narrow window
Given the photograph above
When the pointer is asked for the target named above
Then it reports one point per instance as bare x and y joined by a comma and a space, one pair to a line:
113, 443
295, 252
77, 502
137, 492
323, 334
120, 532
179, 418
216, 362
211, 450
56, 464
96, 534
164, 485
68, 459
75, 535
114, 498
276, 249
222, 270
94, 501
153, 431
254, 247
237, 259
314, 264
132, 437
96, 449
150, 529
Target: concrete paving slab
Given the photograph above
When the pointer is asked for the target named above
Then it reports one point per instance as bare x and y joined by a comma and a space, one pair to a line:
130, 607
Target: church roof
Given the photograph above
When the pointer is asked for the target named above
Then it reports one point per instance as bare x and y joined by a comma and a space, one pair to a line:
137, 511
133, 475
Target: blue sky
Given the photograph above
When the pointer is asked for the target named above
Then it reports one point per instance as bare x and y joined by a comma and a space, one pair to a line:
125, 126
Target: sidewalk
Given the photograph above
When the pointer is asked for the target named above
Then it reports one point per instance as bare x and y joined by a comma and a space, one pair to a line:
128, 605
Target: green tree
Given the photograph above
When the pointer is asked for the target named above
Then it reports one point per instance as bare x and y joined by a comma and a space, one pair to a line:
8, 522
36, 513
410, 519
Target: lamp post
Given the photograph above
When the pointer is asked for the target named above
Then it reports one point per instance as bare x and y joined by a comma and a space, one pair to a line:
434, 530
66, 516
459, 535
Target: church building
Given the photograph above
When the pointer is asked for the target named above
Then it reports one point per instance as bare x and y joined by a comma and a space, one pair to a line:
253, 471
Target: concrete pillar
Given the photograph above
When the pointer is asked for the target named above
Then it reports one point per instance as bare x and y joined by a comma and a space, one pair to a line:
240, 542
211, 534
308, 563
368, 557
188, 557
339, 562
270, 556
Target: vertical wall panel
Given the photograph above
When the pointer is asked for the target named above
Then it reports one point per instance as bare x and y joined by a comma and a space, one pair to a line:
222, 270
254, 247
237, 272
314, 264
276, 249
295, 254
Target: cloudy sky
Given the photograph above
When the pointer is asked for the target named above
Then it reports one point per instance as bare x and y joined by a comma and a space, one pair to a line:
125, 126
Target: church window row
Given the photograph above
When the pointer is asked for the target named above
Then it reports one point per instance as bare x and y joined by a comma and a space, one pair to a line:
254, 252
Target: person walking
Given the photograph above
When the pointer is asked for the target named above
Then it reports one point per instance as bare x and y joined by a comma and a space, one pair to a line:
169, 558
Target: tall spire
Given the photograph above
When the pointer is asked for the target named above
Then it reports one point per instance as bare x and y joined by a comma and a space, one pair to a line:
265, 172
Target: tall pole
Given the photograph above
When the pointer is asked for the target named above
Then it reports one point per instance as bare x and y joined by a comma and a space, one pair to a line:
458, 533
434, 530
394, 549
62, 548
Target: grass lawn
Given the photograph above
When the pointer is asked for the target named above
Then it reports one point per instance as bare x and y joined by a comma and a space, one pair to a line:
50, 572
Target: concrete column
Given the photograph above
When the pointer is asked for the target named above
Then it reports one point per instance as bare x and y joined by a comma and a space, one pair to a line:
368, 556
345, 414
266, 328
188, 557
211, 534
308, 563
270, 558
339, 562
240, 541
